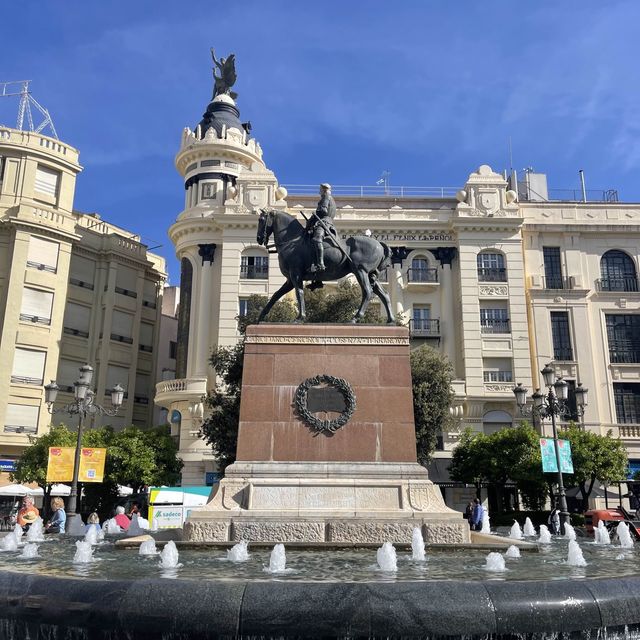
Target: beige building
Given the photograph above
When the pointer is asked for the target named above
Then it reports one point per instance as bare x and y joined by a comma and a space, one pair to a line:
73, 289
500, 283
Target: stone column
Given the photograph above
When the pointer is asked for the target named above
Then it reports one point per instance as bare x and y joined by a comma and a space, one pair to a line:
446, 256
201, 319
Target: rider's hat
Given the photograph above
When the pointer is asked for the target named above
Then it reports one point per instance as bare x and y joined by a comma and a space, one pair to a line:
325, 185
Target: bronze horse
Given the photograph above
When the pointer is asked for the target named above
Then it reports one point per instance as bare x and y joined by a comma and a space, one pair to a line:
363, 256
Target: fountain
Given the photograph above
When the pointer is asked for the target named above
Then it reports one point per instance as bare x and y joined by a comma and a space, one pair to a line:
239, 552
91, 536
529, 529
513, 552
545, 535
495, 562
30, 551
417, 545
516, 531
622, 530
134, 528
84, 553
111, 527
575, 557
75, 527
569, 532
17, 533
8, 543
486, 523
169, 556
148, 548
386, 557
601, 534
277, 560
36, 531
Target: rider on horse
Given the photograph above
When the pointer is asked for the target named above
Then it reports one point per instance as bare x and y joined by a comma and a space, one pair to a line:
325, 212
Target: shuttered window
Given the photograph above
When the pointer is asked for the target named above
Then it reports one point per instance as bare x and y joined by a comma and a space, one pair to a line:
68, 373
36, 306
43, 254
149, 294
82, 272
116, 375
28, 366
47, 181
21, 418
121, 326
76, 320
146, 337
127, 281
142, 388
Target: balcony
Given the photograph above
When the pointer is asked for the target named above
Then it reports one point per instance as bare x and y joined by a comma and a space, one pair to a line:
422, 275
628, 431
624, 353
492, 274
254, 271
563, 354
180, 390
628, 283
491, 326
427, 328
557, 283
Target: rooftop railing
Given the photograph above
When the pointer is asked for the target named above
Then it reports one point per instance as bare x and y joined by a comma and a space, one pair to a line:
374, 191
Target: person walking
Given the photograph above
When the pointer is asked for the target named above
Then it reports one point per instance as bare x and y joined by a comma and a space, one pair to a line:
554, 520
468, 514
478, 514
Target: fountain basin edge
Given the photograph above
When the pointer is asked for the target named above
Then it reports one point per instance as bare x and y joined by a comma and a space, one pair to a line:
209, 609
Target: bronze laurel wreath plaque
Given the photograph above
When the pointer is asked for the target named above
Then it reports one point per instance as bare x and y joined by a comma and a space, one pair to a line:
317, 424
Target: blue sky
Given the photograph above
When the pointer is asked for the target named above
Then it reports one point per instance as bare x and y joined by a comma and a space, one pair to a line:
336, 91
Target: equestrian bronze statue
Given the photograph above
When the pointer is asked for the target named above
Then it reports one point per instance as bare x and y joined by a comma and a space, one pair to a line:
313, 255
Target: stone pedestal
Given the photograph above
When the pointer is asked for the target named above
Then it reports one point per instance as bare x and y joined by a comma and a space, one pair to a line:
295, 481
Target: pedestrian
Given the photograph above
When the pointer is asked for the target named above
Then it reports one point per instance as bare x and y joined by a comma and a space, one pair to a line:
27, 514
468, 514
478, 515
554, 521
58, 520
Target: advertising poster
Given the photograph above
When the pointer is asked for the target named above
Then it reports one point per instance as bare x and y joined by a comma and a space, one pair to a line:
566, 461
92, 464
166, 517
60, 464
549, 462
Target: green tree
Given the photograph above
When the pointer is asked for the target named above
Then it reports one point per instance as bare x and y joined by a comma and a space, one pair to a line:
595, 457
431, 376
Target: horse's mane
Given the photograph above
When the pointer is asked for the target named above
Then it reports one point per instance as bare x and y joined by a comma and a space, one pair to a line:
289, 225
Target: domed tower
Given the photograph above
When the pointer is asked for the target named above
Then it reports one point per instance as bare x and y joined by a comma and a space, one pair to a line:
226, 182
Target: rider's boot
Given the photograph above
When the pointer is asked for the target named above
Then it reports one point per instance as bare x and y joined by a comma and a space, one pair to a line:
319, 263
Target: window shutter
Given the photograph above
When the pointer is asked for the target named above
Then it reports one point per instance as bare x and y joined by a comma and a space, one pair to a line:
149, 290
146, 334
68, 373
43, 253
36, 304
142, 385
121, 324
82, 271
28, 366
21, 418
46, 181
127, 278
116, 375
77, 319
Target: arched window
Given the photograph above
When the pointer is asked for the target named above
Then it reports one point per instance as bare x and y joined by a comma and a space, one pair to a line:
491, 267
493, 421
617, 272
420, 271
254, 265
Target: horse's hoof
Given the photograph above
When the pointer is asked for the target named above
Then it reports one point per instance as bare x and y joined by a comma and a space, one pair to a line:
298, 321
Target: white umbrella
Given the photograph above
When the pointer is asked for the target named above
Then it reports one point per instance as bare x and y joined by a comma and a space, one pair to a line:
124, 491
15, 490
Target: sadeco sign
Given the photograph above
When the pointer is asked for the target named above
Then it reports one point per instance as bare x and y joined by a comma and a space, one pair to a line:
549, 462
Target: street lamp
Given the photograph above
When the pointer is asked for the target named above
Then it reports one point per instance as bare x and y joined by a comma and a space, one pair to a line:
83, 405
553, 404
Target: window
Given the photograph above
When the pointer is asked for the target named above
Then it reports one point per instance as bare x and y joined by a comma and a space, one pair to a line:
618, 272
627, 398
127, 281
36, 306
494, 321
82, 272
494, 421
146, 337
561, 336
572, 403
552, 268
141, 395
46, 181
254, 267
497, 370
43, 254
28, 366
623, 335
2, 164
491, 267
173, 349
149, 294
117, 375
121, 327
21, 418
68, 373
421, 323
77, 319
420, 271
209, 190
243, 307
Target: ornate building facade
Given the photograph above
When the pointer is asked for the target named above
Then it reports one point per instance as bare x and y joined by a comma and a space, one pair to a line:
73, 289
499, 284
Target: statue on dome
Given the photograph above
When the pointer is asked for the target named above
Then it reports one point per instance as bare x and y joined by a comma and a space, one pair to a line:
227, 78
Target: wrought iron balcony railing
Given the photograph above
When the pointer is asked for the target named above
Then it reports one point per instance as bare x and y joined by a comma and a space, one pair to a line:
254, 271
629, 283
422, 275
424, 328
557, 282
489, 325
492, 274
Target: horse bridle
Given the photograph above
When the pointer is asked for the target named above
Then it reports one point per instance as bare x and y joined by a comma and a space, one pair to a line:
268, 230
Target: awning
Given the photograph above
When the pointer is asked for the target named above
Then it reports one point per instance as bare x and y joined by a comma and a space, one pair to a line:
15, 490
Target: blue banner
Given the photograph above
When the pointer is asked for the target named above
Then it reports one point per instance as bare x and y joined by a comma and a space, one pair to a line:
549, 462
7, 465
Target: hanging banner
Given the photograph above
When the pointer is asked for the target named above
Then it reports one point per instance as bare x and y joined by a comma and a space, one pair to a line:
92, 465
549, 462
60, 464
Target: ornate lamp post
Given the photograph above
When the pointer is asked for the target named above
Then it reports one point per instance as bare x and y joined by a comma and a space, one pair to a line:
553, 404
83, 405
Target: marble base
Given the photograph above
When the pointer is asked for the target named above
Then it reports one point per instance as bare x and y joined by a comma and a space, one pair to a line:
326, 502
